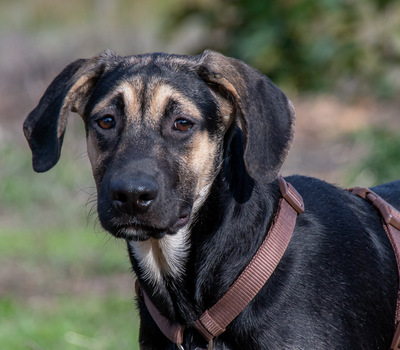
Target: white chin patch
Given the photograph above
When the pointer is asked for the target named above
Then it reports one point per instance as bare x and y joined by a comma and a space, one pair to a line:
165, 256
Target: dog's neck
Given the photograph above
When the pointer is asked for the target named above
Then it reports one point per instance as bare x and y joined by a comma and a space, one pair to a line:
208, 258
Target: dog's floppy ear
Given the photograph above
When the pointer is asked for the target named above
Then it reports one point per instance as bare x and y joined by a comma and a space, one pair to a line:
44, 127
264, 114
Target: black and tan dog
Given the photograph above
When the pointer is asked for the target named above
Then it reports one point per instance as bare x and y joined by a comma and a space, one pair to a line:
185, 153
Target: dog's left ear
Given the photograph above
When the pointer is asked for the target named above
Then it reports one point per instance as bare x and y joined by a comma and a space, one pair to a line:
263, 112
44, 127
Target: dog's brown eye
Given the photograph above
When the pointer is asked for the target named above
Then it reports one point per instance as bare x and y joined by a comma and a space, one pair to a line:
182, 125
106, 122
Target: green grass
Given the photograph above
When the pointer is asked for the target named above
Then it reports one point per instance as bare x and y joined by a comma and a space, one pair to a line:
89, 322
57, 198
38, 313
64, 283
77, 250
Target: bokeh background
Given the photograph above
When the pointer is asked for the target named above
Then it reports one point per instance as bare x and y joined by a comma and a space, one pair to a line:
64, 283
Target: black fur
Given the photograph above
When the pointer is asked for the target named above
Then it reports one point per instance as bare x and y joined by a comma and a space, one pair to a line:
336, 285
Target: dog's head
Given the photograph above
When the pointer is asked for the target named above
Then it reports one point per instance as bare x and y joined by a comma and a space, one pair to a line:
158, 131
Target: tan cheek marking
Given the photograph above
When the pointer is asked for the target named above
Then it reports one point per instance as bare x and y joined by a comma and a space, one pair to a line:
201, 160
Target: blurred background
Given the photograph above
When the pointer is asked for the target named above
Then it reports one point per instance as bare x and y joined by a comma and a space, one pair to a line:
64, 283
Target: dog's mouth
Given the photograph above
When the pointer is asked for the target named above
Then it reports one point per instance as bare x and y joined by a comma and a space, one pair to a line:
183, 220
141, 232
138, 232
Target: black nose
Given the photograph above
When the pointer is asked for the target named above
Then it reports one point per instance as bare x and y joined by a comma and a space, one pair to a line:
132, 196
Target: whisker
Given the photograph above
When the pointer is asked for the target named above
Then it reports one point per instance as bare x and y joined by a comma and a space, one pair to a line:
82, 155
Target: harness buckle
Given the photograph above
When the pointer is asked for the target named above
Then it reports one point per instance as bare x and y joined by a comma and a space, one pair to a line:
291, 195
389, 214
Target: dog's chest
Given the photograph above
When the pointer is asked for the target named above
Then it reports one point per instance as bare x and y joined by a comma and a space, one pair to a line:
162, 257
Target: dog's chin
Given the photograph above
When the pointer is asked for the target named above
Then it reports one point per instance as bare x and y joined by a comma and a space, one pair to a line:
137, 232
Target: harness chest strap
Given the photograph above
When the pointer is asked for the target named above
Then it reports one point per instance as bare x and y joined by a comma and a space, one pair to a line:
214, 321
391, 224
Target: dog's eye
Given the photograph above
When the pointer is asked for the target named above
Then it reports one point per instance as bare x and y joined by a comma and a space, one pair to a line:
106, 122
182, 125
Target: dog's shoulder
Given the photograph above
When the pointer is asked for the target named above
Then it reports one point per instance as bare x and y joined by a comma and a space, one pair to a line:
336, 215
318, 194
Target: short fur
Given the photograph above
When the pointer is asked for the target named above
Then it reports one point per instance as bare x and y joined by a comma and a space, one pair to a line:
185, 152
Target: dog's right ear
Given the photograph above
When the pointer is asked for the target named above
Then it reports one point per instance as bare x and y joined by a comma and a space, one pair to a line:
263, 112
44, 127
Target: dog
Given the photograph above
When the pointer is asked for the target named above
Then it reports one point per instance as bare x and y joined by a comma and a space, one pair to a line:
185, 152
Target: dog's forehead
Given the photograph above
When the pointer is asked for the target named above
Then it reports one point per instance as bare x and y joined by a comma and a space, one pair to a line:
147, 87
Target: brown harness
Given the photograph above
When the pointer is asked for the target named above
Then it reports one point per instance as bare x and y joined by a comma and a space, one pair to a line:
214, 321
391, 224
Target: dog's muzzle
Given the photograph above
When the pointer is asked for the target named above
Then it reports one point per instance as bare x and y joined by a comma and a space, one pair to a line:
136, 207
133, 196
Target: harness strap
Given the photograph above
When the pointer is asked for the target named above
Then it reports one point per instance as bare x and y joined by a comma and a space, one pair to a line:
391, 224
214, 321
172, 330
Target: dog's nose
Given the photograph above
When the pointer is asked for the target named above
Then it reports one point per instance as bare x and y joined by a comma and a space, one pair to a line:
134, 195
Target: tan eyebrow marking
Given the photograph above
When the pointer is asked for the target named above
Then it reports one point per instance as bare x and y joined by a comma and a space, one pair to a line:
161, 95
158, 96
131, 96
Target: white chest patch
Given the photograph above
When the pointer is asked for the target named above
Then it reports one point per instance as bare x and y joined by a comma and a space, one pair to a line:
165, 256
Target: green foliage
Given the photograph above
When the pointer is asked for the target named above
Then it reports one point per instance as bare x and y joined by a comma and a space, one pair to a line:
68, 252
59, 283
382, 160
41, 309
310, 45
49, 199
92, 322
